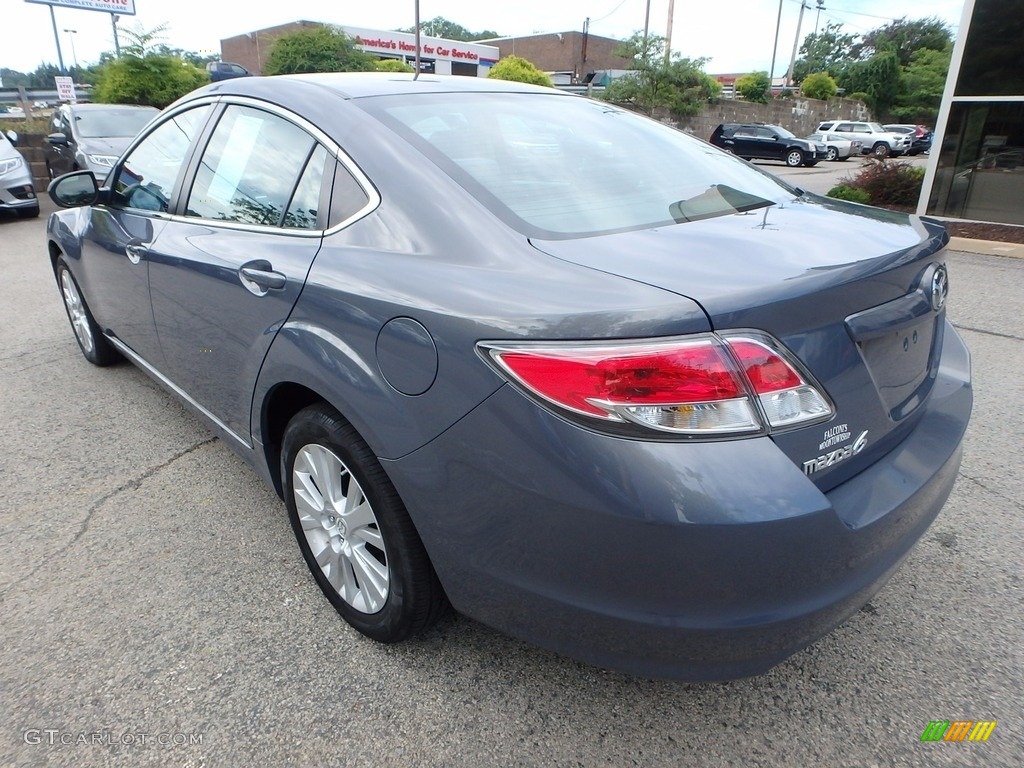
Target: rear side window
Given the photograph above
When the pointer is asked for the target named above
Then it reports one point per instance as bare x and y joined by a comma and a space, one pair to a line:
250, 169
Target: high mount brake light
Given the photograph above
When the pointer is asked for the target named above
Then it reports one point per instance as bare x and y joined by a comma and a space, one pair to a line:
699, 385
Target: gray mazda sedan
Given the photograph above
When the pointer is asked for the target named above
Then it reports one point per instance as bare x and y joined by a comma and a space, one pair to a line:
585, 378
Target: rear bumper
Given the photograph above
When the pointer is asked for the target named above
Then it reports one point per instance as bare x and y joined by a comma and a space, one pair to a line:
681, 560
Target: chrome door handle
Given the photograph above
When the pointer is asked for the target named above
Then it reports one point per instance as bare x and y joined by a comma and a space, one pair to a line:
135, 252
259, 281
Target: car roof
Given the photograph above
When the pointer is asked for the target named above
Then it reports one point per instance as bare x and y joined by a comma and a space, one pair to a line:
355, 85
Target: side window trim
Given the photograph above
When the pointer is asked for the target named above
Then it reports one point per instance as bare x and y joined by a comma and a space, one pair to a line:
335, 152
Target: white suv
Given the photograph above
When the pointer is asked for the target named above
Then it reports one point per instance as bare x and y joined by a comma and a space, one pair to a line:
873, 137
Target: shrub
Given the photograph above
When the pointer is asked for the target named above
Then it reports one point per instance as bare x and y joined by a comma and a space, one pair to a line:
820, 86
154, 81
889, 182
520, 70
754, 87
317, 49
846, 192
393, 65
858, 96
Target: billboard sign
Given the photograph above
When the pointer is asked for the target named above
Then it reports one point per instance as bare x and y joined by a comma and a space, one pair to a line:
120, 7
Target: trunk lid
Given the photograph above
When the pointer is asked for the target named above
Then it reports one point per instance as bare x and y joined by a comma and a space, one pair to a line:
846, 288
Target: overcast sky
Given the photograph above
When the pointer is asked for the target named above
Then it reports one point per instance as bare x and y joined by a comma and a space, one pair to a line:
737, 36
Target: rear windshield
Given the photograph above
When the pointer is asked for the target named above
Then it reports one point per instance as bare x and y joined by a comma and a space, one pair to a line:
560, 166
96, 123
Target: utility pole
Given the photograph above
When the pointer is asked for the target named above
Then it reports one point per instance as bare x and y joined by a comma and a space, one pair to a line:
796, 43
668, 32
56, 39
817, 16
775, 47
117, 44
647, 23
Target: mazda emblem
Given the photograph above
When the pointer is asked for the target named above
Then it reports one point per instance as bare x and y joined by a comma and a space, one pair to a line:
939, 288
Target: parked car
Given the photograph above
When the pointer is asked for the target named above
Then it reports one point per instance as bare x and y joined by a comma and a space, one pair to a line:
837, 147
920, 136
875, 140
593, 381
767, 142
17, 192
92, 136
226, 70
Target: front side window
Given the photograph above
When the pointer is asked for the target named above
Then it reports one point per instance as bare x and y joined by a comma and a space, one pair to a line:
250, 169
146, 178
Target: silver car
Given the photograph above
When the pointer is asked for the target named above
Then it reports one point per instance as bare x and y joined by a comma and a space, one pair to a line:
17, 193
90, 137
837, 147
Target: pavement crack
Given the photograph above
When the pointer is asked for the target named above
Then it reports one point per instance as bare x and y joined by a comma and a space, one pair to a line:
129, 485
987, 333
1013, 502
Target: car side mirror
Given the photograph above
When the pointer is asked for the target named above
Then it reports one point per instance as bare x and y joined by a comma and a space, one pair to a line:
74, 189
12, 137
58, 139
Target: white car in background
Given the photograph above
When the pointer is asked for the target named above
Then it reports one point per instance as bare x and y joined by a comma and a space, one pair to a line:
837, 147
873, 137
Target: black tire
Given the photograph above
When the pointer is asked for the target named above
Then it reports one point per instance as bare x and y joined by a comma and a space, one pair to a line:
880, 150
832, 154
94, 345
28, 213
843, 159
415, 599
794, 158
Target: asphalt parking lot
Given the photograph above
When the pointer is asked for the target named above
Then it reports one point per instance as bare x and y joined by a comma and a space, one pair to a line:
155, 609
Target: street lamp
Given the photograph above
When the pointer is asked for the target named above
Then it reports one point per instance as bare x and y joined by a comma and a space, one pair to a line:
71, 37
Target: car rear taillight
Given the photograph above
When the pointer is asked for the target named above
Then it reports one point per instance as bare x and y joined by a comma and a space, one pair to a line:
699, 385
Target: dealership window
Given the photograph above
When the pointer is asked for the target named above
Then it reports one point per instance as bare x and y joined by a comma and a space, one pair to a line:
980, 172
992, 53
464, 69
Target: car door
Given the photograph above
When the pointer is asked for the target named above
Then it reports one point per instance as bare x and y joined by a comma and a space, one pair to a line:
743, 141
225, 274
115, 270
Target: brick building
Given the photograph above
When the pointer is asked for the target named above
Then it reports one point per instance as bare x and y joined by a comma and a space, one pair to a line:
443, 57
574, 52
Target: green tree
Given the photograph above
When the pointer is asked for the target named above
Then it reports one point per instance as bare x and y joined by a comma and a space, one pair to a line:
904, 37
827, 51
154, 80
755, 87
518, 69
393, 65
439, 26
681, 86
317, 49
923, 82
141, 42
819, 85
880, 78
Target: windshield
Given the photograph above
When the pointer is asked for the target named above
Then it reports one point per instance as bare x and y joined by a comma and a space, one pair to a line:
876, 127
560, 166
783, 132
94, 123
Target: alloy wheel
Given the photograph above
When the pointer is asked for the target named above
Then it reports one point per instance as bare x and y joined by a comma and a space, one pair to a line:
76, 311
341, 528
